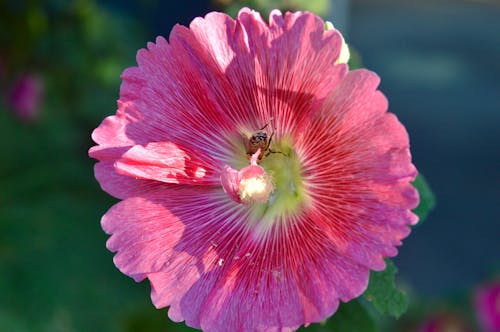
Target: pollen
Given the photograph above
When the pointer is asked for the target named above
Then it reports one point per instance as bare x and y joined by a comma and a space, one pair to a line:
255, 189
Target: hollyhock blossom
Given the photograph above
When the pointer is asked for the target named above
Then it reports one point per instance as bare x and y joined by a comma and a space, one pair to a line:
25, 97
260, 179
487, 304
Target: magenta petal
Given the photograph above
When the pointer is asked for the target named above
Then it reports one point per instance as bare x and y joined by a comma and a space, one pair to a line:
180, 93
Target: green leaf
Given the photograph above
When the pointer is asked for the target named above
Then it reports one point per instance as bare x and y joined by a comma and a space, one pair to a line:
384, 295
352, 316
427, 199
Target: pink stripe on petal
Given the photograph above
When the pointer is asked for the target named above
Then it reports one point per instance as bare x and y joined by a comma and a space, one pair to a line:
336, 273
360, 226
269, 305
400, 194
132, 82
116, 134
355, 138
167, 287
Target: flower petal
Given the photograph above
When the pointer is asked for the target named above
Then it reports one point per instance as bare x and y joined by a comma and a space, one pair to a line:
250, 73
281, 285
205, 261
167, 162
230, 183
358, 171
122, 186
168, 230
111, 138
294, 65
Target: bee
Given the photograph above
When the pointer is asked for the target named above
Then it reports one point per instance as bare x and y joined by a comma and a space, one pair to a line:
259, 140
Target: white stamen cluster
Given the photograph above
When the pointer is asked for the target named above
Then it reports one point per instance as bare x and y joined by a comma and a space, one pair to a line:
255, 189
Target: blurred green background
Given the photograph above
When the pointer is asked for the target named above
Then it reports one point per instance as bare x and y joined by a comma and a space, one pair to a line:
60, 63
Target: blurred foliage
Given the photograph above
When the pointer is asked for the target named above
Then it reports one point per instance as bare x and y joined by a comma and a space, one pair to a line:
78, 47
55, 273
320, 7
352, 316
454, 313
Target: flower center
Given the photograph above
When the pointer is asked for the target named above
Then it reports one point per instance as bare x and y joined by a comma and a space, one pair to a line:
255, 189
277, 193
289, 196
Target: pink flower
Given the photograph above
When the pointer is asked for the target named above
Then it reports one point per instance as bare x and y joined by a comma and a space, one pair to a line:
25, 97
279, 243
487, 304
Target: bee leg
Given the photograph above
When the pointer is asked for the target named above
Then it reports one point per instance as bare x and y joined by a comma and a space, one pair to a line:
270, 139
269, 151
266, 124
